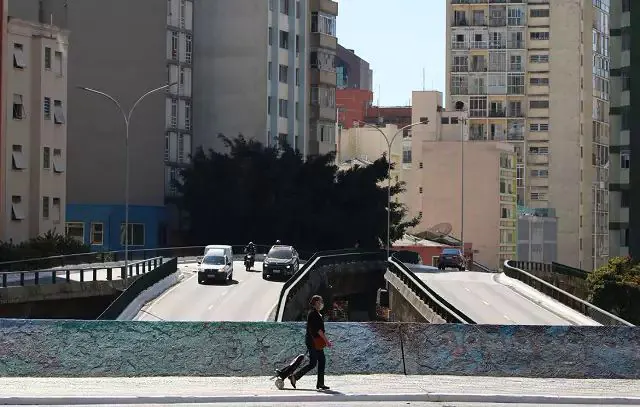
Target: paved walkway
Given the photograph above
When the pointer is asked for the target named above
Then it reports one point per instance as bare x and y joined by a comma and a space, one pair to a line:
370, 388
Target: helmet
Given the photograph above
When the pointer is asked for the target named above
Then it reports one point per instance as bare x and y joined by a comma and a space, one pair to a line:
277, 242
250, 243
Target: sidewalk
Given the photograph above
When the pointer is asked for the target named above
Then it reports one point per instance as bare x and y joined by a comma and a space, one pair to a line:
369, 388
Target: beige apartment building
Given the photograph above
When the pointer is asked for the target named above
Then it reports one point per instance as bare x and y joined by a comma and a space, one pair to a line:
369, 144
34, 147
535, 73
434, 179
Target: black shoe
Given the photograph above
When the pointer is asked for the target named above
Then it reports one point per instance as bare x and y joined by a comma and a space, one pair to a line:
293, 380
323, 387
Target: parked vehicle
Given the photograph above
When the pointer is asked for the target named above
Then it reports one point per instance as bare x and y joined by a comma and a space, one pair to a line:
451, 257
281, 261
216, 265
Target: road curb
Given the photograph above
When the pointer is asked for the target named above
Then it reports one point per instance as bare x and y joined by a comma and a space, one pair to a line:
325, 397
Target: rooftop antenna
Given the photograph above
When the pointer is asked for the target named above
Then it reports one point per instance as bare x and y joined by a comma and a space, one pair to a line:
423, 80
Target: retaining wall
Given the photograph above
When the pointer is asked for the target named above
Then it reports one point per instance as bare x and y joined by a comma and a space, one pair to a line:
125, 348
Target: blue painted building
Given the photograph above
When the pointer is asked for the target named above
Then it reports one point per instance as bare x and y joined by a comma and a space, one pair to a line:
102, 226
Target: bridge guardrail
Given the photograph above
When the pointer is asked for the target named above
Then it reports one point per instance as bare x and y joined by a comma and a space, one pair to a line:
319, 259
597, 314
434, 301
52, 276
130, 293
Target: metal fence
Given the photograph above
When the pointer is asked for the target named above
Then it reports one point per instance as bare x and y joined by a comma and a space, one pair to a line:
78, 274
597, 314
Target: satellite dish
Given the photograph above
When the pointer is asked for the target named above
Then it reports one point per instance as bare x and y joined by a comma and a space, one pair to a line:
441, 229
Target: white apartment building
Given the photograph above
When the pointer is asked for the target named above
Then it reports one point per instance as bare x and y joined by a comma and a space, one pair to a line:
251, 60
179, 115
35, 143
535, 73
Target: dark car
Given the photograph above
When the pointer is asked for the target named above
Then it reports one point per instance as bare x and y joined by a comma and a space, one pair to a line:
281, 261
452, 258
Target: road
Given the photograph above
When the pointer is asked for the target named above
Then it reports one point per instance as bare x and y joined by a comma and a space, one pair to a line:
485, 300
247, 298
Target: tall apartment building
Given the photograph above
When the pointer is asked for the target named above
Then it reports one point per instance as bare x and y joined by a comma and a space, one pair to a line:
250, 66
535, 73
123, 48
34, 148
352, 71
624, 222
4, 8
323, 46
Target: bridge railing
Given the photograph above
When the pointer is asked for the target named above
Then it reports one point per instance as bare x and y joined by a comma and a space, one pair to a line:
597, 314
106, 272
430, 298
298, 281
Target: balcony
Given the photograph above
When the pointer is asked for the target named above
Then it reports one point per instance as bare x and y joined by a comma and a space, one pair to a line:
319, 40
497, 22
515, 113
326, 6
515, 44
479, 44
460, 45
323, 77
322, 113
497, 113
497, 44
478, 67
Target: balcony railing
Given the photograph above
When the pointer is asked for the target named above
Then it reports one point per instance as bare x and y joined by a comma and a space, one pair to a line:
497, 113
479, 67
497, 22
516, 113
515, 44
497, 44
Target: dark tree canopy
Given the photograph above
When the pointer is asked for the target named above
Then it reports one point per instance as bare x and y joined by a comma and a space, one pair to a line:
257, 193
615, 287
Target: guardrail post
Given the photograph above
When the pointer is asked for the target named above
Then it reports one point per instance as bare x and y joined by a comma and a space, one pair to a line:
68, 276
123, 273
95, 274
22, 279
82, 275
109, 274
4, 280
137, 269
54, 276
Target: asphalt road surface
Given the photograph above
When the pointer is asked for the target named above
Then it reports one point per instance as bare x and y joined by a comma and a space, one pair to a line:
247, 298
487, 301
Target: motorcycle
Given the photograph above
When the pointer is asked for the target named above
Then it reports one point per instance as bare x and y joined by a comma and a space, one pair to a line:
248, 261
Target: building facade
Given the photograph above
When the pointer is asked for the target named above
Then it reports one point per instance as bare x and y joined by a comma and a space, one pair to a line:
622, 238
323, 45
535, 74
154, 45
537, 235
251, 61
35, 144
352, 71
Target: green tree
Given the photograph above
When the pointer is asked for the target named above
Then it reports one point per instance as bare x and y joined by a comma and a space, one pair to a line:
615, 287
259, 193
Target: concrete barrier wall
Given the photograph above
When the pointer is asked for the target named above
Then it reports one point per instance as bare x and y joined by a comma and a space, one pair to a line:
125, 348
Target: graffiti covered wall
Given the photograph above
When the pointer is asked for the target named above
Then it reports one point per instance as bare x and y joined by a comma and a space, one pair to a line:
133, 348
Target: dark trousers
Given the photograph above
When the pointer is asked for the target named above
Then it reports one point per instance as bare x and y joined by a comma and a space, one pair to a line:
316, 357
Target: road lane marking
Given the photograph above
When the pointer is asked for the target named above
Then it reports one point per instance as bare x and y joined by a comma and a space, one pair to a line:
508, 319
485, 302
468, 290
210, 307
166, 293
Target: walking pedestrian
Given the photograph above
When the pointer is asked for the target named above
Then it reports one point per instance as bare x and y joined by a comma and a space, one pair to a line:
316, 341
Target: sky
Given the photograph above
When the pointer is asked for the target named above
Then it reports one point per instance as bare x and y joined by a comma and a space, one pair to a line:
399, 38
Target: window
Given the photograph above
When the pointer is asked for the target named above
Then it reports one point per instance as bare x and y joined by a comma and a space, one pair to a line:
539, 36
284, 39
282, 140
269, 70
539, 59
323, 23
18, 56
284, 7
539, 196
268, 104
283, 74
18, 158
297, 44
537, 127
540, 173
539, 150
47, 108
297, 110
625, 160
323, 61
626, 5
539, 81
75, 230
58, 162
298, 10
188, 48
270, 36
187, 115
136, 234
283, 108
174, 46
539, 12
271, 4
56, 210
515, 84
58, 112
17, 210
45, 207
420, 190
97, 234
57, 63
174, 113
46, 158
18, 107
47, 58
538, 104
297, 76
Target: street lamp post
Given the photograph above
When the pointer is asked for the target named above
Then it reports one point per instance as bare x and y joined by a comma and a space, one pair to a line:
463, 122
127, 120
389, 144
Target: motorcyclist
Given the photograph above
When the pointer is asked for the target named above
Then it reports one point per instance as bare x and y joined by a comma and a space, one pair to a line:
250, 249
278, 242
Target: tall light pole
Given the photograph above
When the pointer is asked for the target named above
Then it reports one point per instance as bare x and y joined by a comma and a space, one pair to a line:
389, 144
127, 120
463, 123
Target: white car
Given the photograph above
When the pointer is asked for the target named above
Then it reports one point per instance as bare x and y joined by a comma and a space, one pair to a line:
215, 265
